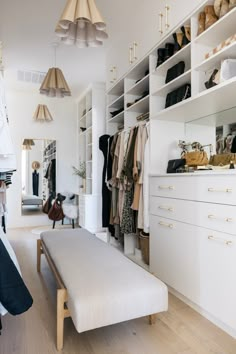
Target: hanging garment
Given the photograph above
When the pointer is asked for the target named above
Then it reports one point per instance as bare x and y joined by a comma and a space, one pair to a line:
51, 176
7, 155
128, 224
141, 150
35, 182
106, 195
14, 295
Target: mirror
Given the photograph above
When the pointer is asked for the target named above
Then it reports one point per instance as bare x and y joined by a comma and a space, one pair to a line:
218, 129
38, 166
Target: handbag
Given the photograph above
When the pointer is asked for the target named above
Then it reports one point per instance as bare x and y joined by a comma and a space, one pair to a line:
222, 159
47, 206
174, 165
196, 158
175, 71
56, 211
178, 95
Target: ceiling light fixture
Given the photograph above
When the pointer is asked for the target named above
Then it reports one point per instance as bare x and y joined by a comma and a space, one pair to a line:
54, 84
81, 24
27, 143
42, 114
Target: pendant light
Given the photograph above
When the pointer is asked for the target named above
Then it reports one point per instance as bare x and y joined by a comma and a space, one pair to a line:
54, 83
42, 114
27, 143
81, 24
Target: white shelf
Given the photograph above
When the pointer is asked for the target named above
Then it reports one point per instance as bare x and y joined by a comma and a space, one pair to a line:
185, 78
117, 103
119, 118
117, 89
139, 87
204, 104
219, 31
86, 114
89, 161
139, 69
181, 55
141, 106
214, 60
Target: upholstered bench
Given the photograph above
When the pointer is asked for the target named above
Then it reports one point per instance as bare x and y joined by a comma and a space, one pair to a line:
98, 285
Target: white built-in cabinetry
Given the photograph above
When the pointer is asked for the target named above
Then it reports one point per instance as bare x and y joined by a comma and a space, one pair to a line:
91, 125
192, 228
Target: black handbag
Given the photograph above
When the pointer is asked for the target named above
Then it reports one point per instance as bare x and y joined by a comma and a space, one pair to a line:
178, 95
175, 71
174, 165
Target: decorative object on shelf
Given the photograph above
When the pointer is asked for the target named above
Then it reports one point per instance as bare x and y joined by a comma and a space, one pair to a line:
211, 17
42, 114
228, 69
54, 83
174, 165
81, 24
221, 46
221, 7
178, 95
81, 171
27, 143
231, 166
35, 165
201, 23
175, 71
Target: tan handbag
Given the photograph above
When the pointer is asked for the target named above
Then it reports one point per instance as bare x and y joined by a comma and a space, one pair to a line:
196, 158
222, 159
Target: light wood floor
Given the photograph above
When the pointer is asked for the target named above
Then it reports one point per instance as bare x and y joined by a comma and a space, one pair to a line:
179, 331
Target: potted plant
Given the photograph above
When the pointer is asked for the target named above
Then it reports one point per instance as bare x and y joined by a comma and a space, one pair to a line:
81, 172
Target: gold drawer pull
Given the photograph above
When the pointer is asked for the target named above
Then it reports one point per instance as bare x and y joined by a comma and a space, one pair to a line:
227, 190
218, 218
226, 242
162, 207
171, 226
167, 187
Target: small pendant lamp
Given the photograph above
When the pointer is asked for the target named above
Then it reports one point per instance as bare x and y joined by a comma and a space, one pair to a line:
42, 114
81, 24
54, 83
27, 143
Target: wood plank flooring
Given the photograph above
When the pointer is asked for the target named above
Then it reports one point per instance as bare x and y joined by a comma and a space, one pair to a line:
179, 331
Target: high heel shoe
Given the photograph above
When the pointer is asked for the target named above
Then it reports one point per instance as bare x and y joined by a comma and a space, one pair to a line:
169, 50
160, 56
211, 17
201, 23
211, 82
186, 35
178, 37
221, 7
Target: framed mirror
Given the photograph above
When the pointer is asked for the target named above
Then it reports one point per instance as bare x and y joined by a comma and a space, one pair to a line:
38, 166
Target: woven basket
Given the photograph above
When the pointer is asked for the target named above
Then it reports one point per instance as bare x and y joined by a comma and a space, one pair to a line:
144, 245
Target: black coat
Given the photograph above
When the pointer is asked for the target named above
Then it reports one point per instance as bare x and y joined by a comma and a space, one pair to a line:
14, 295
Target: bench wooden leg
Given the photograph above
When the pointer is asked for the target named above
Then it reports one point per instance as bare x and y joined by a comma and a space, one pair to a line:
152, 319
39, 252
61, 298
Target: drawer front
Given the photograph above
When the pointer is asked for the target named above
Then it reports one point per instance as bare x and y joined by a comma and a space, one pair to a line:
211, 188
173, 255
212, 216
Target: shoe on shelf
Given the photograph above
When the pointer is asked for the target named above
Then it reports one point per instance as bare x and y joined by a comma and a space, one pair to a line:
232, 4
221, 7
177, 45
201, 23
213, 80
186, 36
169, 50
160, 56
211, 17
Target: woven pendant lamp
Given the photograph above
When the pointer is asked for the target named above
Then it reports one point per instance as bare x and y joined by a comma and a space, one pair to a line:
81, 24
42, 114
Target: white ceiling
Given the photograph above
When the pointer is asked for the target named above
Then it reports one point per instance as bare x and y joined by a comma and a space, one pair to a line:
27, 31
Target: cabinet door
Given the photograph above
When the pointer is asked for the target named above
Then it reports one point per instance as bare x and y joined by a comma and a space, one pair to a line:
174, 255
217, 274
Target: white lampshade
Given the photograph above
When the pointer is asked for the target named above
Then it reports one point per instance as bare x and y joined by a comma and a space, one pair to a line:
81, 24
54, 84
42, 114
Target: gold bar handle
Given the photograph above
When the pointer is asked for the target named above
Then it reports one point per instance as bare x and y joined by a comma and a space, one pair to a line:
161, 223
115, 73
226, 242
135, 45
131, 55
227, 190
167, 8
166, 187
163, 207
111, 71
219, 218
161, 23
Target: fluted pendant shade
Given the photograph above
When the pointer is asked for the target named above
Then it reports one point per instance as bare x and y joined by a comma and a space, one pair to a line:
81, 24
42, 113
27, 143
54, 84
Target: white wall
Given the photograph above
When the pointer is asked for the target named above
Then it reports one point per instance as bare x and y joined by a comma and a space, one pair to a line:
21, 107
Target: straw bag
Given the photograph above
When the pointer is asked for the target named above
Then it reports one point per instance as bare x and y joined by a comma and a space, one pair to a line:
196, 158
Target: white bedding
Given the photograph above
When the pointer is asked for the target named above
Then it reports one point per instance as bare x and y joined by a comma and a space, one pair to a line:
104, 287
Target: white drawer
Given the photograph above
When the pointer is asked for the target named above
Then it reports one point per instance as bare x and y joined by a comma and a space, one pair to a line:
212, 216
209, 188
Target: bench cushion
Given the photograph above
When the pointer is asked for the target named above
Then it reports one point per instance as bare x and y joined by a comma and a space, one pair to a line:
104, 287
